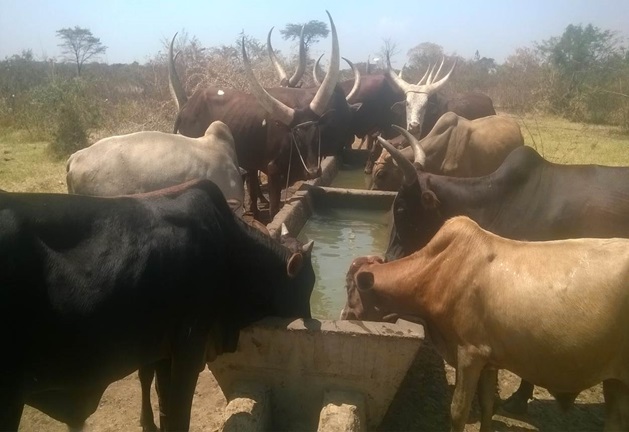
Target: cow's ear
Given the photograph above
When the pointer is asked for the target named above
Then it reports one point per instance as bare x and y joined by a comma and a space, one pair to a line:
430, 200
364, 280
399, 107
295, 262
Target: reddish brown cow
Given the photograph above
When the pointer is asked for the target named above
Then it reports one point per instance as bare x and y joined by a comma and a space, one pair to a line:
275, 128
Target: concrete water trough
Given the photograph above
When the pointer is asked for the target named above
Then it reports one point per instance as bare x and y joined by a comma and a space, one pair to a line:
327, 375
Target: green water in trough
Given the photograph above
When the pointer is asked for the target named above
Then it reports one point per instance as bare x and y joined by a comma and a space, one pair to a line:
351, 178
340, 235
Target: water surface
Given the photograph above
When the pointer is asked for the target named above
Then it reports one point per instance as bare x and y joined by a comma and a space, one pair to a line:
340, 235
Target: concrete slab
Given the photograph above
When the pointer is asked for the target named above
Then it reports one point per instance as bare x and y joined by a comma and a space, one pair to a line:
300, 360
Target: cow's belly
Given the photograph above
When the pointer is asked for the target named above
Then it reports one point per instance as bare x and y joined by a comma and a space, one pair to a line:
67, 361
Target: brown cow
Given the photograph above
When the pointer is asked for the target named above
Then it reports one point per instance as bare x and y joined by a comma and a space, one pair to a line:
554, 313
455, 147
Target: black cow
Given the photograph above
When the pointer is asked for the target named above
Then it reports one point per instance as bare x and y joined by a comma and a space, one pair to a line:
526, 198
93, 288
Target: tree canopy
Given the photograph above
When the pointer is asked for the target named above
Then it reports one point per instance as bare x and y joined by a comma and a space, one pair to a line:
79, 45
313, 31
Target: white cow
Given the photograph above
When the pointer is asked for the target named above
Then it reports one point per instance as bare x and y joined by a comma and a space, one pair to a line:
147, 161
555, 313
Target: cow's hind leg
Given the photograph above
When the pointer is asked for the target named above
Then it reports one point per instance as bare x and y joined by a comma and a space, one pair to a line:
517, 403
469, 366
147, 421
254, 188
162, 386
616, 405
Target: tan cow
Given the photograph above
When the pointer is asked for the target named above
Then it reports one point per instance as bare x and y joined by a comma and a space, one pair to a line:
455, 147
555, 313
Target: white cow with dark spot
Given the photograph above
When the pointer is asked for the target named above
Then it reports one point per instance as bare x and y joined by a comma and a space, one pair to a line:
150, 160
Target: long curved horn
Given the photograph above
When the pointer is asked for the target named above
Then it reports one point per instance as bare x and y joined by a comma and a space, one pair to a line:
301, 67
357, 80
276, 63
277, 109
174, 84
402, 85
424, 77
319, 102
418, 150
402, 71
438, 71
315, 78
405, 165
433, 87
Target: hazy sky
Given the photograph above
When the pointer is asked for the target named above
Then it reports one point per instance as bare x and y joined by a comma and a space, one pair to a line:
133, 30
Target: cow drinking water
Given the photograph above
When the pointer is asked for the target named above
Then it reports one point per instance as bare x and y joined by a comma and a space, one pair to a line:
554, 313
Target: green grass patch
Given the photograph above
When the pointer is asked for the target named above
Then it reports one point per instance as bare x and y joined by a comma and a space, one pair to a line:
28, 166
565, 142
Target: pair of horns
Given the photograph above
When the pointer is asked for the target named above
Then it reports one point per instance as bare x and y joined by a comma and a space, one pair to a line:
357, 76
429, 86
279, 110
301, 67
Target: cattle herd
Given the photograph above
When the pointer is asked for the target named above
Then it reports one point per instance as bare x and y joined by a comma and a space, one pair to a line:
510, 261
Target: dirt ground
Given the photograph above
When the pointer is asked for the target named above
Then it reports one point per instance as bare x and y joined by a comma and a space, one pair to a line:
421, 404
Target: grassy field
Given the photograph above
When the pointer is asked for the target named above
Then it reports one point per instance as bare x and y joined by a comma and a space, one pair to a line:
27, 166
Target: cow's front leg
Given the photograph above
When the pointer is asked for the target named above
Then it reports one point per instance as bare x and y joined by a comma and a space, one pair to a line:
275, 192
487, 396
188, 360
468, 370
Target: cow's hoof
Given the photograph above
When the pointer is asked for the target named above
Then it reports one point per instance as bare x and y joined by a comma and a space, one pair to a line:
515, 405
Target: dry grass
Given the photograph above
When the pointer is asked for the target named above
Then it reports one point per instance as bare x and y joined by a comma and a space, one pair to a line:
561, 141
27, 166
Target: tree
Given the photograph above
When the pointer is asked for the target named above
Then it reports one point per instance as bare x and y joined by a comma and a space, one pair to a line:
582, 61
423, 56
79, 45
313, 31
388, 50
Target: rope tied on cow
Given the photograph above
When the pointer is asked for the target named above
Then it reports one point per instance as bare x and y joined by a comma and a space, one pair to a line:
296, 145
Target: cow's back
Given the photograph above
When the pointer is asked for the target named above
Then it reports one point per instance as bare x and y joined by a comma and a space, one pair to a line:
478, 147
150, 160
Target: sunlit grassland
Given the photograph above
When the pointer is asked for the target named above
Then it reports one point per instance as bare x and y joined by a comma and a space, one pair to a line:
28, 167
561, 141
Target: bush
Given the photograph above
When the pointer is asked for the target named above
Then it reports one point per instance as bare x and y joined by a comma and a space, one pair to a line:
62, 110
